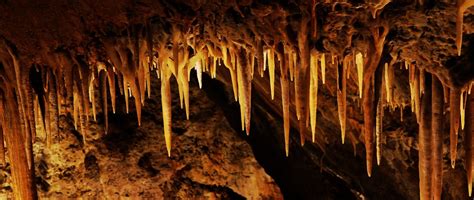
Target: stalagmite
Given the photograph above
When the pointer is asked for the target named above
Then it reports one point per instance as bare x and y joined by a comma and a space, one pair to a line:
313, 96
469, 139
360, 71
463, 5
454, 107
341, 95
437, 121
424, 140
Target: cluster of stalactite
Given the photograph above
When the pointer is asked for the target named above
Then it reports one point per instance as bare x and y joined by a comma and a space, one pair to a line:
34, 98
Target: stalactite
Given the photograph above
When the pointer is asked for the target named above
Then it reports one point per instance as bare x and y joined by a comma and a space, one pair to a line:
446, 93
470, 88
229, 63
52, 110
214, 67
29, 120
424, 140
422, 77
149, 44
198, 68
245, 87
92, 97
292, 64
142, 72
47, 110
360, 71
148, 84
388, 71
176, 36
314, 20
469, 139
2, 147
126, 91
84, 76
260, 57
136, 96
241, 97
83, 122
265, 61
379, 127
271, 71
313, 96
341, 95
38, 116
183, 80
411, 78
437, 121
416, 93
30, 113
323, 68
103, 92
368, 90
462, 108
454, 107
166, 106
75, 107
401, 113
22, 175
463, 5
285, 98
111, 81
302, 78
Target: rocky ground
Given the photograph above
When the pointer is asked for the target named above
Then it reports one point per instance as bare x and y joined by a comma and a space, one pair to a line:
209, 159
